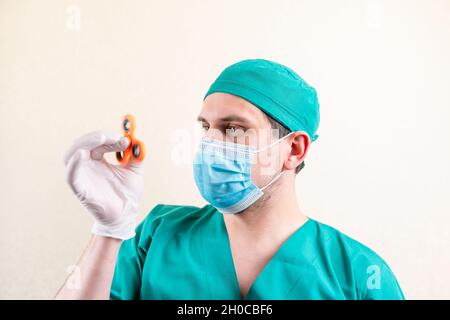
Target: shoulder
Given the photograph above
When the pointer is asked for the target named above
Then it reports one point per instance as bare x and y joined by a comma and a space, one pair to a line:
351, 248
170, 211
163, 212
371, 274
170, 215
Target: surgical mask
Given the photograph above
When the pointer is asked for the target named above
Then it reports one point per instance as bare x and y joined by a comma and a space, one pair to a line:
222, 173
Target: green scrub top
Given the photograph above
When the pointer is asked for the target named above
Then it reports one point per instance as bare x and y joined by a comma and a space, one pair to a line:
183, 252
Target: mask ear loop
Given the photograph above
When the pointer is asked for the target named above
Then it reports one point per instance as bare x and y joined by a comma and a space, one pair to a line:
266, 147
279, 140
273, 180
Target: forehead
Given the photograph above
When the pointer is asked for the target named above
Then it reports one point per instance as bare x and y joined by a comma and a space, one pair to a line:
221, 105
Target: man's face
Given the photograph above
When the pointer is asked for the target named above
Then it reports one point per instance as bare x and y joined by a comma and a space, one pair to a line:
229, 118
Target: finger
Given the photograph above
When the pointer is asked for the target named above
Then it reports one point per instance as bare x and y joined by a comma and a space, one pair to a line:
135, 166
90, 141
73, 165
120, 145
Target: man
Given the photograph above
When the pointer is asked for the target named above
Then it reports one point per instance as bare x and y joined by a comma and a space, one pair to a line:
252, 241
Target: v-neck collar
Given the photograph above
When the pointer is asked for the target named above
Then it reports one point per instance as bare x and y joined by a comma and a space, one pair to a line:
285, 254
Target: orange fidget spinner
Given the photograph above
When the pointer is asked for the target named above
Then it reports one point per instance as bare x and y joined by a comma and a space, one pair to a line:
135, 150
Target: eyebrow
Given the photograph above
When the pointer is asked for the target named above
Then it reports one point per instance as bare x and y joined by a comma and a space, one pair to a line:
232, 117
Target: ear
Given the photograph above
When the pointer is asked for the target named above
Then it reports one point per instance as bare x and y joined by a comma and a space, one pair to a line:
299, 142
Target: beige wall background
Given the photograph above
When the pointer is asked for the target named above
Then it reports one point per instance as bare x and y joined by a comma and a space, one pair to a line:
379, 171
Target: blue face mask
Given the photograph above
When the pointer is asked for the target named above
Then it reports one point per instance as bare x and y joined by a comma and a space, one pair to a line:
222, 173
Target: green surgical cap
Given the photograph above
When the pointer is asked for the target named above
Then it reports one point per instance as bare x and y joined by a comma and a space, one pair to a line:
275, 89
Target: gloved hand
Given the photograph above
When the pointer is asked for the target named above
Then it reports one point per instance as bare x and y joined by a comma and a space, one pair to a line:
111, 193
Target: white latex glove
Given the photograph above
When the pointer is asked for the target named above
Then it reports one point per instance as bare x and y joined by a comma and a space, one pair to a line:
111, 193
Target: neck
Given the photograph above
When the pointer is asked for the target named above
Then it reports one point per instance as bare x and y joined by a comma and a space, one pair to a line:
276, 215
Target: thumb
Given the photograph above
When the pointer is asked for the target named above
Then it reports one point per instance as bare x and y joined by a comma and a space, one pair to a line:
119, 145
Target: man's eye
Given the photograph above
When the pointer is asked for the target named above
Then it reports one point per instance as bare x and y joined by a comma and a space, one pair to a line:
205, 127
234, 130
